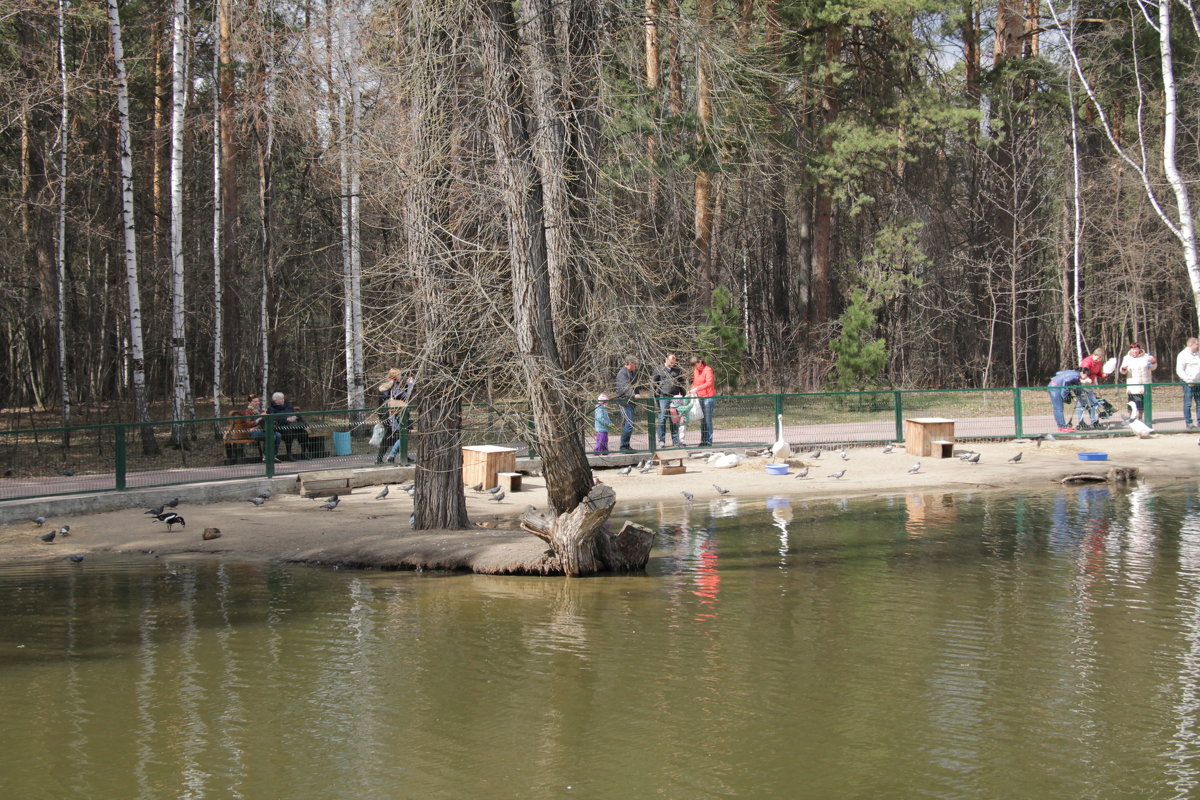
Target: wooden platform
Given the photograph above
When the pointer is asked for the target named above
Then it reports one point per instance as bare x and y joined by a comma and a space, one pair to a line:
669, 466
326, 483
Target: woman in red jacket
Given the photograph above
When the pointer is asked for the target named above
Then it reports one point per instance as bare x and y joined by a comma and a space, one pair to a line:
704, 386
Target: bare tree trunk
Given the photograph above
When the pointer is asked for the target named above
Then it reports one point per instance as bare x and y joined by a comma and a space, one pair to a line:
703, 217
821, 307
125, 148
64, 381
216, 243
182, 379
230, 201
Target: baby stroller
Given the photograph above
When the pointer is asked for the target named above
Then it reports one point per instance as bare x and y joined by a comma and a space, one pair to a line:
1088, 404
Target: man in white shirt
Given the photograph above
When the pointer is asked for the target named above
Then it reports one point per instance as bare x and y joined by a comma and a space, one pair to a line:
1137, 366
1187, 367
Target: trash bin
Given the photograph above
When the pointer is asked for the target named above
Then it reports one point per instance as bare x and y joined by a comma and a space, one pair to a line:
341, 443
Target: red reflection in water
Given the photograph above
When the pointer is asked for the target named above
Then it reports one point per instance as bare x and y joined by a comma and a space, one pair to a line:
708, 582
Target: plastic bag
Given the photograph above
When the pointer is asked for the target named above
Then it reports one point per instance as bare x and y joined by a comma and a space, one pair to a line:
377, 434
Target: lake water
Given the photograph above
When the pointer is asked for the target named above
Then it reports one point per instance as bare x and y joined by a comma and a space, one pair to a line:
939, 645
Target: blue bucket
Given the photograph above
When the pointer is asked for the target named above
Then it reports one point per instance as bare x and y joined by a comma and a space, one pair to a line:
1093, 456
341, 443
777, 469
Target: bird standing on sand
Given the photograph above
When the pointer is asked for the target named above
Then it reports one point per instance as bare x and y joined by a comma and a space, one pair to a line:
1016, 458
65, 530
625, 470
973, 458
265, 495
838, 474
172, 519
258, 501
39, 521
720, 490
492, 490
332, 503
75, 558
48, 537
476, 488
383, 493
154, 512
688, 496
802, 473
173, 503
815, 454
887, 448
915, 467
497, 497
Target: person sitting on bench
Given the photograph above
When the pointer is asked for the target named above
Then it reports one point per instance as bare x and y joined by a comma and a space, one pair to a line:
254, 421
290, 428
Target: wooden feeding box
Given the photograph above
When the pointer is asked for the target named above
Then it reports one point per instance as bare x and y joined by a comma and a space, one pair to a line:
482, 463
326, 483
509, 481
669, 466
929, 436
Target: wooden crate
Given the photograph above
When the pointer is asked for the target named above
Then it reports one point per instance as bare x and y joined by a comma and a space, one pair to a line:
509, 481
483, 463
326, 483
670, 466
929, 436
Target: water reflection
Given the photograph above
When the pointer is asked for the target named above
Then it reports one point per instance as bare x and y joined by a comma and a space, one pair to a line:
1041, 644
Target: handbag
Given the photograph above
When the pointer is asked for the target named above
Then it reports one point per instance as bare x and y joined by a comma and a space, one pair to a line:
377, 434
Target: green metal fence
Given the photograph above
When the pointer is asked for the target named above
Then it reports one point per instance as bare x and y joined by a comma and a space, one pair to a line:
51, 461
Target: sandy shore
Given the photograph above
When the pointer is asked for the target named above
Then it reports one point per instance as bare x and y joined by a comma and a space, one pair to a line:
367, 532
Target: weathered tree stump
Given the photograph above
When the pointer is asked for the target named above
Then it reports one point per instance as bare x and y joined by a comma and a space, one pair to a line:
581, 544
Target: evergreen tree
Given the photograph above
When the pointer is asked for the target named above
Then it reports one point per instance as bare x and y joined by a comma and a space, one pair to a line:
720, 340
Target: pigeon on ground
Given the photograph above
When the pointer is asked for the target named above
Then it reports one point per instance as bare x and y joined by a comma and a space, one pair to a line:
383, 493
802, 473
625, 470
838, 474
411, 491
332, 503
39, 521
845, 457
172, 503
65, 530
258, 501
1016, 458
720, 490
264, 495
412, 520
965, 456
648, 468
815, 454
172, 519
312, 495
973, 458
75, 558
48, 537
688, 496
492, 490
887, 448
412, 484
497, 497
476, 488
915, 467
154, 512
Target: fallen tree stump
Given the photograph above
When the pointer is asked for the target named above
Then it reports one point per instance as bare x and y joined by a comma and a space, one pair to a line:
1118, 475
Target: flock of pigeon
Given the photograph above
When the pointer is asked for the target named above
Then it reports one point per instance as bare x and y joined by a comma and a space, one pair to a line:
782, 450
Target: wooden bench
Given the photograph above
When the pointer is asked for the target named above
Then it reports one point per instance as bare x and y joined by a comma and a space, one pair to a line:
236, 439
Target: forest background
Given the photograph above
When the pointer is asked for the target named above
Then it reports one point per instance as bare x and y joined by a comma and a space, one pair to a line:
202, 200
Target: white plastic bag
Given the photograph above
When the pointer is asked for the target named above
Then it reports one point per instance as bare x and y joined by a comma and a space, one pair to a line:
377, 434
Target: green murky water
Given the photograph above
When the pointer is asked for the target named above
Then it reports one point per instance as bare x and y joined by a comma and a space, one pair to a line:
947, 646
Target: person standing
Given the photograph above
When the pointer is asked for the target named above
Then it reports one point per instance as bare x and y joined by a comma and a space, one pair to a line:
394, 394
602, 422
628, 390
1059, 390
1187, 367
1137, 366
704, 386
667, 385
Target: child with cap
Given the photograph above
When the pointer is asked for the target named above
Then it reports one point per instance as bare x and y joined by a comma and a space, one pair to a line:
603, 423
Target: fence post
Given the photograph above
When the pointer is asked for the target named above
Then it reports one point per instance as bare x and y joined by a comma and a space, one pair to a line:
778, 406
1149, 403
269, 444
898, 405
532, 437
119, 466
1018, 414
652, 426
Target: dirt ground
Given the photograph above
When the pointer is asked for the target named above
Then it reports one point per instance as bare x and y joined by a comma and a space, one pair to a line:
366, 532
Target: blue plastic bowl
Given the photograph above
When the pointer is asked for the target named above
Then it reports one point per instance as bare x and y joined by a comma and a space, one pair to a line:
777, 469
1093, 456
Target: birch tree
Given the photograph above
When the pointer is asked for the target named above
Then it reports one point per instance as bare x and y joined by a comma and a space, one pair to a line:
1178, 220
128, 224
181, 385
217, 224
64, 383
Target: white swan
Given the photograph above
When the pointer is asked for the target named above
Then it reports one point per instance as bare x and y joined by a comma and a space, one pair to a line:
781, 449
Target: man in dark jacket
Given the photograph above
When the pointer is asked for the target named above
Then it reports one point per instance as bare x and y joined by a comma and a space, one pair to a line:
667, 384
628, 390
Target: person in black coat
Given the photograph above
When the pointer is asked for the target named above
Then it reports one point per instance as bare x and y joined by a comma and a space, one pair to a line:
291, 428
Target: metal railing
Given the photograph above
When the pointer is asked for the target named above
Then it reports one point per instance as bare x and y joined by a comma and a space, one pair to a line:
49, 461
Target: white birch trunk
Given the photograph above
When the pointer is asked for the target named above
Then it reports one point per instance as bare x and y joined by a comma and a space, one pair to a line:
182, 380
216, 241
266, 157
357, 399
125, 150
61, 254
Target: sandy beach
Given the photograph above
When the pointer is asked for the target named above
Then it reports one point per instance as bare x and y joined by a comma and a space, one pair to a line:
370, 533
